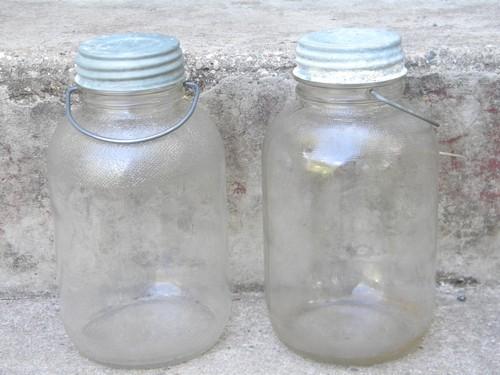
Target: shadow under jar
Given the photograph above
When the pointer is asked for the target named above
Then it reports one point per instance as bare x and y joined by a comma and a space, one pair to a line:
350, 205
140, 224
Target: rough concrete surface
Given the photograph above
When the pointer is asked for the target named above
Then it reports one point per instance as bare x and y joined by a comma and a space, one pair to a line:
241, 53
464, 339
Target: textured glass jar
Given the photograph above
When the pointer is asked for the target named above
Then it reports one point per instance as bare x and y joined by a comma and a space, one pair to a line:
350, 206
140, 228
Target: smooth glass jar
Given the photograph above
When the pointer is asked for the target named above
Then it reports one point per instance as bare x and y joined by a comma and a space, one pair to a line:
350, 211
140, 229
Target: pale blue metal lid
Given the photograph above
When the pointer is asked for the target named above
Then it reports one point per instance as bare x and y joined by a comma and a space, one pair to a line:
350, 56
129, 62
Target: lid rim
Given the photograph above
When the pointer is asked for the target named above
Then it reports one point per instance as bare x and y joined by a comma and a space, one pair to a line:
135, 92
129, 62
132, 89
347, 56
343, 84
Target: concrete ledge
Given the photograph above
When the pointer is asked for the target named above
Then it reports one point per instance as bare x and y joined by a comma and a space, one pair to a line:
464, 339
467, 106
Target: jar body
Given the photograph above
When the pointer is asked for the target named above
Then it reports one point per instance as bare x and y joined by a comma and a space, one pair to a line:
140, 232
350, 210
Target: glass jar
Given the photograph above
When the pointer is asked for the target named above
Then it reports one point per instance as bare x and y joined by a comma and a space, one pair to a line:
350, 204
140, 215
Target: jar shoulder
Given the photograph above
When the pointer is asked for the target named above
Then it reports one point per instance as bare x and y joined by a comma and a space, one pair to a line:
348, 123
196, 145
335, 137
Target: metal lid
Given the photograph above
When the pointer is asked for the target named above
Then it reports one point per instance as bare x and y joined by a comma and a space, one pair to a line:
349, 56
129, 62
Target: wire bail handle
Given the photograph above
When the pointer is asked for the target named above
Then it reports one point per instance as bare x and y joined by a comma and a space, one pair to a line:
383, 99
191, 85
390, 103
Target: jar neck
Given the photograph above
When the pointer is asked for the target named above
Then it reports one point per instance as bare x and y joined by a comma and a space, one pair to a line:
150, 101
312, 93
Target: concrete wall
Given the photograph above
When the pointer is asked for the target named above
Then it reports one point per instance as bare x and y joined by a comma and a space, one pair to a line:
241, 53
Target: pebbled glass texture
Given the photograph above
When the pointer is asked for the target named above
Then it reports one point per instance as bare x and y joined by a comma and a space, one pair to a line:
140, 230
350, 211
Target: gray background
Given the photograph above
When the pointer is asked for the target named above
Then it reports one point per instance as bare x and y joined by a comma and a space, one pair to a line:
241, 52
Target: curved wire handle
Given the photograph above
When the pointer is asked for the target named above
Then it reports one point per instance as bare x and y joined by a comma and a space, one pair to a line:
192, 85
383, 99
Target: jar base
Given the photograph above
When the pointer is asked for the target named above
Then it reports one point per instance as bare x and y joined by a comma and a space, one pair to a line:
351, 334
150, 334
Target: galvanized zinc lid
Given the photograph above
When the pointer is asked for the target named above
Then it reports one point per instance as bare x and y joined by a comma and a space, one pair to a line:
349, 56
129, 62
